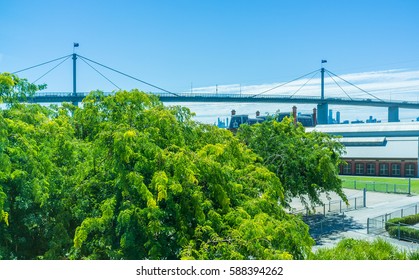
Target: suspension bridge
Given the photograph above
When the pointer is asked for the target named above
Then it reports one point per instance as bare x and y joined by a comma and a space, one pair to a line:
262, 97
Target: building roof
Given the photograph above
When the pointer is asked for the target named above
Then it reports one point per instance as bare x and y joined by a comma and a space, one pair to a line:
376, 140
391, 148
370, 129
363, 141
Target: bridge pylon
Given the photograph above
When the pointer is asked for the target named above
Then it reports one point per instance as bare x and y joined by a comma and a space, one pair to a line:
393, 114
322, 111
74, 95
323, 107
322, 84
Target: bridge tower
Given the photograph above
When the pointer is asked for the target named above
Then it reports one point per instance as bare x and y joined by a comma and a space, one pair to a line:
393, 114
323, 107
74, 95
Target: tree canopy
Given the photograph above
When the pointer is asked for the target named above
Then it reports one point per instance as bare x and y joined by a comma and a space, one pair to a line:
124, 177
14, 89
307, 164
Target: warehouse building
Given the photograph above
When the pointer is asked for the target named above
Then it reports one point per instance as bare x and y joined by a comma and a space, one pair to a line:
377, 149
307, 120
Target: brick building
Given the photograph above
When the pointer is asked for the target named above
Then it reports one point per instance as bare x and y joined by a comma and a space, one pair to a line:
378, 149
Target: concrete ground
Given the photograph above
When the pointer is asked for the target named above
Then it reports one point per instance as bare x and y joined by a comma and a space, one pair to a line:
329, 230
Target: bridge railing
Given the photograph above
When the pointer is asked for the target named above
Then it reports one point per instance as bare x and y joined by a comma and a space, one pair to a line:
228, 95
199, 95
59, 94
165, 94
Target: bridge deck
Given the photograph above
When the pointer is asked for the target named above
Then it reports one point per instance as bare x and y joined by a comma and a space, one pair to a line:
58, 97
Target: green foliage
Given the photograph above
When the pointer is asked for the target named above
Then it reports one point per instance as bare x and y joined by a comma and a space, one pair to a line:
409, 220
399, 227
306, 163
413, 255
352, 249
403, 232
181, 189
14, 89
39, 155
124, 177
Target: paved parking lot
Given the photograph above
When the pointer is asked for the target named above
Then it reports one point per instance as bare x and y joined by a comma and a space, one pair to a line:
353, 224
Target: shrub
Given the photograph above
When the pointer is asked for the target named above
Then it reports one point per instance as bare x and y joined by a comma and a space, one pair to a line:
398, 228
353, 249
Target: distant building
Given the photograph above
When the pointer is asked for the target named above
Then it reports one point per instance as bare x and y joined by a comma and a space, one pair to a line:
222, 124
371, 120
307, 120
378, 149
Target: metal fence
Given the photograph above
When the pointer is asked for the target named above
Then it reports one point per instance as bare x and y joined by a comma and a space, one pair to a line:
334, 206
330, 217
402, 188
401, 234
377, 225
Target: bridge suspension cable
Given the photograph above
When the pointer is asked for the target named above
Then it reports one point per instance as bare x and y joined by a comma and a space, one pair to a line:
304, 84
339, 86
85, 60
285, 83
64, 58
67, 56
129, 76
99, 72
370, 94
51, 69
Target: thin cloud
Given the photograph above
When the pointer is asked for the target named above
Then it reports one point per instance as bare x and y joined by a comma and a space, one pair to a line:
386, 84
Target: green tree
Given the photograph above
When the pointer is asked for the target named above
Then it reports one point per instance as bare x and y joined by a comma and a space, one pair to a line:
14, 89
39, 156
164, 187
306, 163
124, 177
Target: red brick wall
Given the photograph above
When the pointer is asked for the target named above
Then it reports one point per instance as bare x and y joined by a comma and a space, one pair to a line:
377, 162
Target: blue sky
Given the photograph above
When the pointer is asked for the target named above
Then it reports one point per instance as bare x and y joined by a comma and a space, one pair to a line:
233, 44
